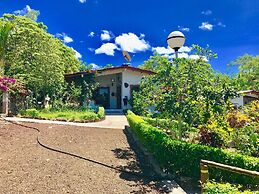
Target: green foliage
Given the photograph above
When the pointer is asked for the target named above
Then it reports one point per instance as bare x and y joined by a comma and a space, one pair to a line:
65, 114
248, 72
32, 14
5, 30
81, 89
245, 129
32, 113
192, 93
221, 188
173, 128
101, 113
155, 62
36, 58
183, 158
107, 66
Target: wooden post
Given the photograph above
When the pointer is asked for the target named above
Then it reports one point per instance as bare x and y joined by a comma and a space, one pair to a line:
204, 174
5, 103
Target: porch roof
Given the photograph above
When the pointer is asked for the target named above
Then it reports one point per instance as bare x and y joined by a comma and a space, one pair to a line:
249, 93
111, 70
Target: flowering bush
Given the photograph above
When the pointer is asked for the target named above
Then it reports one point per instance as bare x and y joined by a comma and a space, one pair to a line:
6, 83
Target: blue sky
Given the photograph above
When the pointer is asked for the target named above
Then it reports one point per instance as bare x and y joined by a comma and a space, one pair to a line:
99, 29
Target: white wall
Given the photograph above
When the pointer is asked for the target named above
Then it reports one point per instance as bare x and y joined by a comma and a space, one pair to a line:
132, 78
239, 101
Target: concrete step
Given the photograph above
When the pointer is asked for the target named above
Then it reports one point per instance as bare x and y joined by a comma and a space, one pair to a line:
114, 112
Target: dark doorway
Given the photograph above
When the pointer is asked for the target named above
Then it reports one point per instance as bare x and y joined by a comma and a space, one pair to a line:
118, 92
102, 97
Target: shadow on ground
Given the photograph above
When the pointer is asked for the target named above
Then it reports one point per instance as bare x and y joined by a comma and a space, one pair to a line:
137, 162
144, 176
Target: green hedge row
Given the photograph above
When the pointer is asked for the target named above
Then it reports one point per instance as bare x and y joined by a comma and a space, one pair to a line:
226, 188
183, 158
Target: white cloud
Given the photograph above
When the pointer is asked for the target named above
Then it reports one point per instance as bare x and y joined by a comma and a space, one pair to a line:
221, 24
64, 37
168, 50
82, 1
23, 11
107, 48
91, 34
185, 49
94, 66
163, 50
132, 43
184, 52
206, 12
91, 49
206, 26
142, 36
106, 35
77, 54
67, 39
198, 57
184, 29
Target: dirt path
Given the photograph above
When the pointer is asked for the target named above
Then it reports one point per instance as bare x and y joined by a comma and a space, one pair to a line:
26, 167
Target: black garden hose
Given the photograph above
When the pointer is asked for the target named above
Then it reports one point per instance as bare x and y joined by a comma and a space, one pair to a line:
84, 158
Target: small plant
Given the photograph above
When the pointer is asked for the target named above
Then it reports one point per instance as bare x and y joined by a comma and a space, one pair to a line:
221, 188
33, 113
101, 113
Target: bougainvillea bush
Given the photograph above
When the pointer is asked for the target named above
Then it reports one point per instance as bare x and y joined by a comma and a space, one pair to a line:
6, 83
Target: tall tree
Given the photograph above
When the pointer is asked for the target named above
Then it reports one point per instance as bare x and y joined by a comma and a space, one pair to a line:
5, 30
248, 72
36, 57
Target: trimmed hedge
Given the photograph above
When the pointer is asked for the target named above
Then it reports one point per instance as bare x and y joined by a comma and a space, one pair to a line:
220, 188
101, 112
183, 158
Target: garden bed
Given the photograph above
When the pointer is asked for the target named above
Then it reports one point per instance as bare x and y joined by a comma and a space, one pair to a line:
182, 158
82, 116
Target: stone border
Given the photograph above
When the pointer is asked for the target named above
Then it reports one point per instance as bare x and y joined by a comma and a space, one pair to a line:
168, 183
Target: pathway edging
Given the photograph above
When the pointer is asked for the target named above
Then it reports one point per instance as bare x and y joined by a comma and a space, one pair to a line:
110, 122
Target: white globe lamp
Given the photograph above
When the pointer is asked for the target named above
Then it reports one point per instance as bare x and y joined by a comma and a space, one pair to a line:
176, 40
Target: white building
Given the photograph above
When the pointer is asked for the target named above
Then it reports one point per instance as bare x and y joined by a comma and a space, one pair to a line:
116, 85
245, 97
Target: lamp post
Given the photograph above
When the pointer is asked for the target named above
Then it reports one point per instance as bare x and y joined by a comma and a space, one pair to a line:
175, 40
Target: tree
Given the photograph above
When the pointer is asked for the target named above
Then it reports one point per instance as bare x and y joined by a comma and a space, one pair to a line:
5, 30
154, 62
248, 72
192, 93
32, 14
107, 66
36, 57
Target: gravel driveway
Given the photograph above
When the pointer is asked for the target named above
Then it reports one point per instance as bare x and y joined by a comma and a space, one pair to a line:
26, 167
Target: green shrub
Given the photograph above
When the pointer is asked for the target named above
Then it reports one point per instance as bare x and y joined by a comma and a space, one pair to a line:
177, 129
183, 158
65, 114
101, 113
220, 188
33, 113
